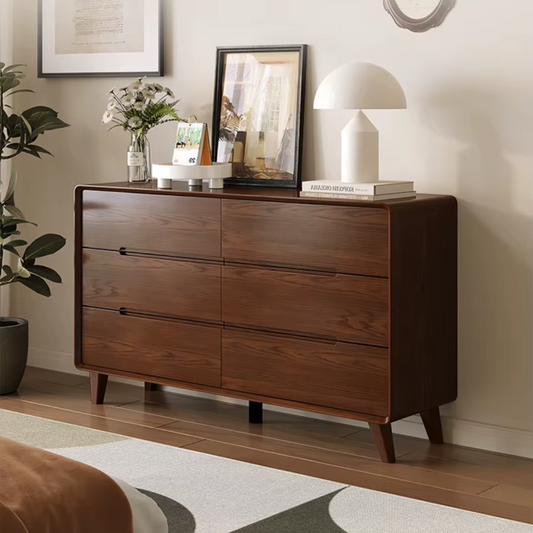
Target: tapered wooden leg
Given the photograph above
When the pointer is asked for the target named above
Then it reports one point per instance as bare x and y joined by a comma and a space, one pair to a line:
382, 434
433, 425
98, 384
151, 387
255, 412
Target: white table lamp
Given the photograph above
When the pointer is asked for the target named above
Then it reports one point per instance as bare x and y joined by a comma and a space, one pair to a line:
360, 86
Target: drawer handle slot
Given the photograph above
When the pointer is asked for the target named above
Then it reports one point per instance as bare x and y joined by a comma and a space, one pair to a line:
124, 252
331, 341
123, 311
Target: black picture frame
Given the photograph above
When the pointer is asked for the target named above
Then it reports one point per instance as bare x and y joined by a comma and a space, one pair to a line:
159, 71
222, 52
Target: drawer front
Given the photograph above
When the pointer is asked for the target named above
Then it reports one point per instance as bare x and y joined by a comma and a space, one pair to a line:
342, 376
161, 286
353, 240
343, 307
151, 222
159, 348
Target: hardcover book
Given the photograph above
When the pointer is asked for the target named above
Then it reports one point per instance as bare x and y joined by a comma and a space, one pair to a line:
366, 197
373, 189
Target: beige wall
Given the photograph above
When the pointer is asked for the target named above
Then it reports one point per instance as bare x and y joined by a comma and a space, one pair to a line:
468, 132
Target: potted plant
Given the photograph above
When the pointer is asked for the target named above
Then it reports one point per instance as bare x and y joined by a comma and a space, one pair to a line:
138, 108
18, 135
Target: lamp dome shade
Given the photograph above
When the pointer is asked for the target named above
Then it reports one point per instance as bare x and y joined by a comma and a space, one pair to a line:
360, 86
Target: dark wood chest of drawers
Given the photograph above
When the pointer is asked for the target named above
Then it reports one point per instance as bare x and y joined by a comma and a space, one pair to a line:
339, 307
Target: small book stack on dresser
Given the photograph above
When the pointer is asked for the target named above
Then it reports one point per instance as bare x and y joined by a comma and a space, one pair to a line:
379, 190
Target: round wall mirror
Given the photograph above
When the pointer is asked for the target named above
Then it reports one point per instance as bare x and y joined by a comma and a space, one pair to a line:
418, 15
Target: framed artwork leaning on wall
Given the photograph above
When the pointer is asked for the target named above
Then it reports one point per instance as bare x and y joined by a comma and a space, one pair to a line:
259, 113
100, 38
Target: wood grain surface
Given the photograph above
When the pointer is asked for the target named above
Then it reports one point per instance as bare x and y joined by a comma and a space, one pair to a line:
151, 347
167, 287
337, 375
423, 306
165, 224
346, 308
341, 239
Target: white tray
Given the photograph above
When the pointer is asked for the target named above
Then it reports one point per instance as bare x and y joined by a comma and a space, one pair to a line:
166, 173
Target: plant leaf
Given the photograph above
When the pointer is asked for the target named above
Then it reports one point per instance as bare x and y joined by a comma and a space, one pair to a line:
39, 149
45, 245
17, 243
12, 249
37, 284
11, 185
11, 221
45, 272
11, 67
7, 270
15, 211
19, 91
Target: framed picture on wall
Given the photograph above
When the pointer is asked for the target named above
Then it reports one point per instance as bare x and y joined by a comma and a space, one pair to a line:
259, 113
100, 38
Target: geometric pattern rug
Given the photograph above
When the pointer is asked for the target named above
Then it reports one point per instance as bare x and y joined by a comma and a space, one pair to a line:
200, 493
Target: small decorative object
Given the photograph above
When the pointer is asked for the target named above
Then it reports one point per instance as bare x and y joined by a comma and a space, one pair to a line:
258, 113
360, 86
418, 15
138, 108
100, 38
19, 135
216, 173
192, 144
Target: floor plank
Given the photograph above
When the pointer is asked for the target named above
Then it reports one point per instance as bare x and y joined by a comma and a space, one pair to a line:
322, 455
103, 424
507, 493
453, 459
79, 402
350, 477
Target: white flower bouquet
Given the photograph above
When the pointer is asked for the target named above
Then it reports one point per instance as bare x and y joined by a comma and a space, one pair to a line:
140, 106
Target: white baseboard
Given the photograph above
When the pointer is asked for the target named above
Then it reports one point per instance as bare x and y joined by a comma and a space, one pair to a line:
461, 432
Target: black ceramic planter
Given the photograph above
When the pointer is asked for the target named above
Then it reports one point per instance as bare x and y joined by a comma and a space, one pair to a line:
13, 353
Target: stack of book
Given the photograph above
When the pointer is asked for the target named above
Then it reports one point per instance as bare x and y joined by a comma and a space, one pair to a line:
380, 190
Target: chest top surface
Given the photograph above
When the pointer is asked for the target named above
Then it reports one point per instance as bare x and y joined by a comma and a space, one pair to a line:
272, 194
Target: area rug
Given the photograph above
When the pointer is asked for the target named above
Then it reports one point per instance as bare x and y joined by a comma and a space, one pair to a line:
201, 493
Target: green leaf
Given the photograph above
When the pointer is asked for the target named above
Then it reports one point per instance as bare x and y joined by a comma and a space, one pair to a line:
26, 123
37, 284
46, 245
11, 221
12, 184
43, 119
15, 211
39, 149
17, 243
45, 272
11, 67
7, 83
19, 91
7, 270
6, 233
12, 249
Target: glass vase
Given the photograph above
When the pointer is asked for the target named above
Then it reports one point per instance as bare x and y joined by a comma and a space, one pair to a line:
139, 159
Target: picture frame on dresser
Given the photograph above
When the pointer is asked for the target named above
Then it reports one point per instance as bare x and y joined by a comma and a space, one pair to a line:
258, 117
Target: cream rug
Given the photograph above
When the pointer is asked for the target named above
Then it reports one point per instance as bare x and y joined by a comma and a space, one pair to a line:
201, 493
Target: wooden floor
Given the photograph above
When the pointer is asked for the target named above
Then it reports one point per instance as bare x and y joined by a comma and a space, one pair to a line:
450, 475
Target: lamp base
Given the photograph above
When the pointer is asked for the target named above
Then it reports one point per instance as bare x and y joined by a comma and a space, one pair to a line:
360, 151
